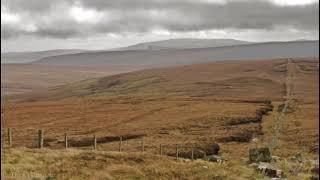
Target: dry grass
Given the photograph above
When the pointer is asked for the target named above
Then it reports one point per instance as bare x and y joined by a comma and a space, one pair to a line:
79, 164
233, 80
189, 105
24, 164
300, 133
20, 78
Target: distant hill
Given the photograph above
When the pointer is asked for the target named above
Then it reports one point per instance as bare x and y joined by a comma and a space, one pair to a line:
171, 57
25, 57
183, 44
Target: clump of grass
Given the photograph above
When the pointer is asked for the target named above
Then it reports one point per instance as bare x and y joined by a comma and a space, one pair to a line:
81, 164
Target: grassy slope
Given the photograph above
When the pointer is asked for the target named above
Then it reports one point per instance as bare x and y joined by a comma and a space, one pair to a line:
83, 164
19, 78
189, 105
79, 164
233, 80
187, 109
300, 133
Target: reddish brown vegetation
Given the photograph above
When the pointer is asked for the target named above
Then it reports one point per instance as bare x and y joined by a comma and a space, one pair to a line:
192, 105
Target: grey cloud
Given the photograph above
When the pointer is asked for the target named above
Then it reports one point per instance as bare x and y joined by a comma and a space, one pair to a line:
8, 31
32, 6
177, 16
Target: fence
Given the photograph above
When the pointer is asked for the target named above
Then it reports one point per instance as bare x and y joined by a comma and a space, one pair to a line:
193, 152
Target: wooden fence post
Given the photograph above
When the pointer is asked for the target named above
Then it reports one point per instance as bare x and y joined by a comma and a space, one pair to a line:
177, 151
94, 142
10, 137
40, 138
66, 140
192, 153
142, 145
160, 149
120, 144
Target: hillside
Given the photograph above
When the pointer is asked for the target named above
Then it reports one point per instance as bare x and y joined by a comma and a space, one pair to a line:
183, 44
21, 78
205, 94
207, 79
57, 70
226, 102
26, 57
173, 57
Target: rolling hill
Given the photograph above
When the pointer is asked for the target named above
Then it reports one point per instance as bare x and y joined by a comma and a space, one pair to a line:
20, 78
174, 57
189, 80
59, 69
225, 102
26, 57
186, 43
193, 104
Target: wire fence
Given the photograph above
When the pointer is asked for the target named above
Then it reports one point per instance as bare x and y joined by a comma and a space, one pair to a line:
128, 143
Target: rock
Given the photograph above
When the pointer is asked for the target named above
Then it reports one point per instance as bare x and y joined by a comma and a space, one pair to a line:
279, 173
269, 170
259, 155
214, 158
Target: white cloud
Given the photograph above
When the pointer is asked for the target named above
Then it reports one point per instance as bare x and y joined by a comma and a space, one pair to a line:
278, 2
85, 15
293, 2
214, 1
8, 17
30, 28
160, 32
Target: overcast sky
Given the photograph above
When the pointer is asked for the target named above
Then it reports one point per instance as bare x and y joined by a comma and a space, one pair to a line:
31, 25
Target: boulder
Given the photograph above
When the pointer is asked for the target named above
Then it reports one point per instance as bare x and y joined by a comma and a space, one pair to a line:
214, 158
269, 170
259, 155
